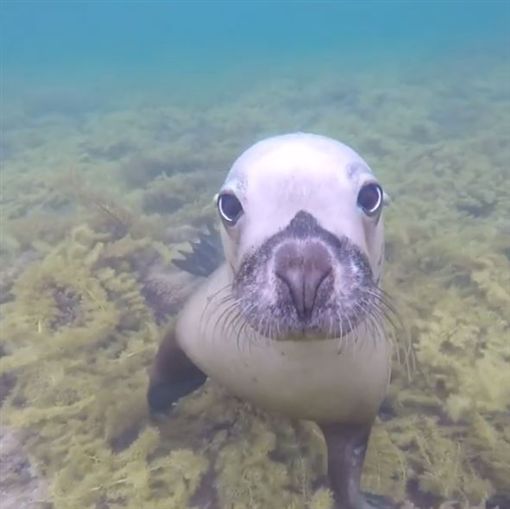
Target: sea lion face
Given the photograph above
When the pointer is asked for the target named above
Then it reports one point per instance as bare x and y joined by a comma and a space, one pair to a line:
303, 237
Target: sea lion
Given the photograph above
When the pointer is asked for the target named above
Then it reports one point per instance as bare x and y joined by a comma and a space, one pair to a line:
293, 319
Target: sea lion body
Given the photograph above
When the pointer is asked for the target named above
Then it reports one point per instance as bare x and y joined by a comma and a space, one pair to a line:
313, 380
293, 319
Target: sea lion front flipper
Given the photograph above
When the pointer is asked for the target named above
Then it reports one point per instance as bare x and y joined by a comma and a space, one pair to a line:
347, 445
172, 375
206, 254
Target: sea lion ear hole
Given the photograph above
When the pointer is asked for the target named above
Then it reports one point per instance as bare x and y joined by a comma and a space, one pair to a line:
371, 198
230, 208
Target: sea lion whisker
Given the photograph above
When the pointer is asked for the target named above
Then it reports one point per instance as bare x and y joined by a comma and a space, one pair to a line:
240, 332
359, 311
229, 320
221, 319
236, 323
385, 300
245, 326
374, 319
402, 348
340, 343
211, 300
246, 310
382, 302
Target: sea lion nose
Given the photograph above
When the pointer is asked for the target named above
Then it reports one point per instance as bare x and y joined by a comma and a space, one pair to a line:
303, 267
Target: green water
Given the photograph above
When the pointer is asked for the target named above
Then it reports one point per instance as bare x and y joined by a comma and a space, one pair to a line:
119, 120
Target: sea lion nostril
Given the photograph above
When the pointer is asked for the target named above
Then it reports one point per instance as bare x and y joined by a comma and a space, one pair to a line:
303, 269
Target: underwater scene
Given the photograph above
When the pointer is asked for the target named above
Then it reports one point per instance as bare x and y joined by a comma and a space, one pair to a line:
119, 123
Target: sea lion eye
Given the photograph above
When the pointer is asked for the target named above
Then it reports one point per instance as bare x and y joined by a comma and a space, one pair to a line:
230, 208
370, 199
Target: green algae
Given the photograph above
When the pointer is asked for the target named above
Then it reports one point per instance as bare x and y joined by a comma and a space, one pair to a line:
78, 335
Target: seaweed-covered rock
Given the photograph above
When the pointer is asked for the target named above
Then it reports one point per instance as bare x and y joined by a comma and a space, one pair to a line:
88, 291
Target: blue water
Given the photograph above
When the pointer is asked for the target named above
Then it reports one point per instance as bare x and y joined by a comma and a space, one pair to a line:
83, 43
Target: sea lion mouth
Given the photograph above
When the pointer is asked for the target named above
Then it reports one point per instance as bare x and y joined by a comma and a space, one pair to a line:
304, 283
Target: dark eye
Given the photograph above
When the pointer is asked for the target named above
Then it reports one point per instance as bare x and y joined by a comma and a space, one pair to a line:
370, 199
230, 208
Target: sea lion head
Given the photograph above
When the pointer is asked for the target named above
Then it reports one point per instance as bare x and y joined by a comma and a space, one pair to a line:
302, 232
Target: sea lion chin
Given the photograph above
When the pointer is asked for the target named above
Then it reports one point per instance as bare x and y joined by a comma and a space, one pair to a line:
302, 233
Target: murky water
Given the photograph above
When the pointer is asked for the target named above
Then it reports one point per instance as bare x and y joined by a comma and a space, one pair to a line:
119, 120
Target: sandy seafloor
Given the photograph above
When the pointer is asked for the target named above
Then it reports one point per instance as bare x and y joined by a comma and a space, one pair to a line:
100, 190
